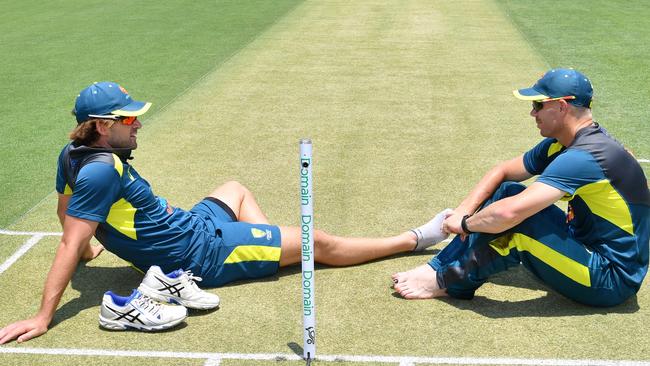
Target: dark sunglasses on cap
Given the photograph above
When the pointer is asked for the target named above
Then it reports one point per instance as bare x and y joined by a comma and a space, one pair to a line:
122, 119
538, 105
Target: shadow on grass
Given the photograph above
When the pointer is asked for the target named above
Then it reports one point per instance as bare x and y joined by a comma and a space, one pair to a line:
550, 305
92, 282
287, 271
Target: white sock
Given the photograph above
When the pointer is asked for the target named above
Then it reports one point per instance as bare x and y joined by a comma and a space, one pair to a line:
431, 233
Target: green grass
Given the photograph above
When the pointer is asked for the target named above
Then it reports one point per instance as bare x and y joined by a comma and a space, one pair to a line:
62, 360
408, 103
608, 41
54, 49
9, 245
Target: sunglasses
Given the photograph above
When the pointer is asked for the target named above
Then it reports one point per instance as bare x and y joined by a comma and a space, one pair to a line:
128, 120
122, 119
539, 105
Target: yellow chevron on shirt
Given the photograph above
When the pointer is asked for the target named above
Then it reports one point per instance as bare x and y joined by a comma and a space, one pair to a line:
605, 201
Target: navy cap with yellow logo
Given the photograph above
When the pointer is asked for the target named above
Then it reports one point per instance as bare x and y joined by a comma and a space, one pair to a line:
568, 84
106, 98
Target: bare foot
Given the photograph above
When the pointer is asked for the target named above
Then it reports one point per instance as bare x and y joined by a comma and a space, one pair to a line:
418, 283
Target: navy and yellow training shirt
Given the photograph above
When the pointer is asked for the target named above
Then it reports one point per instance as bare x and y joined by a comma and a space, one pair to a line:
134, 224
609, 200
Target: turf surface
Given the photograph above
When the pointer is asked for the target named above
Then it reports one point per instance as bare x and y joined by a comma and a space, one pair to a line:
9, 246
608, 41
407, 105
54, 49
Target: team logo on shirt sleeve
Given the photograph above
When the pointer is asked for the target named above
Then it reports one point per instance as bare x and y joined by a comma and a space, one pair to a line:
257, 233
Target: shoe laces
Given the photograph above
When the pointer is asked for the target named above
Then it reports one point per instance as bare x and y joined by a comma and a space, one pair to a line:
148, 304
192, 278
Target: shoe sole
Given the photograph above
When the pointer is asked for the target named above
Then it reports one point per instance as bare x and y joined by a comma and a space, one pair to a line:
117, 325
148, 291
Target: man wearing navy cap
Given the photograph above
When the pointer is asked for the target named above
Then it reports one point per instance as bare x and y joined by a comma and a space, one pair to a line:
224, 238
595, 254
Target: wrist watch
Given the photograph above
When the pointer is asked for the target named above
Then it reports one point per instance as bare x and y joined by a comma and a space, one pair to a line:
463, 224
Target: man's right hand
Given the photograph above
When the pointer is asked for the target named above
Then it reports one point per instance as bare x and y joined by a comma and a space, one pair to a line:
23, 330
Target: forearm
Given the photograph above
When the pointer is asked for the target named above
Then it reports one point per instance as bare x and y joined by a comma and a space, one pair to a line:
60, 274
511, 170
495, 218
76, 232
481, 192
508, 212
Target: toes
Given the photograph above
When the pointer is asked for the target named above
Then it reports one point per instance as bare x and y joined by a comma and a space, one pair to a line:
401, 287
406, 293
399, 277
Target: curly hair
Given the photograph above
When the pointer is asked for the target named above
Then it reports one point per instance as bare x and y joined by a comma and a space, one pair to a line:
86, 133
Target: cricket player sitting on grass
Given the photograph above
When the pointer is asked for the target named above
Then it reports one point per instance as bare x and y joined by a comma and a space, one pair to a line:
596, 254
224, 238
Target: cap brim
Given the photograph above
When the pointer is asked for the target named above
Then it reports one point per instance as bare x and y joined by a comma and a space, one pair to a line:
133, 109
529, 94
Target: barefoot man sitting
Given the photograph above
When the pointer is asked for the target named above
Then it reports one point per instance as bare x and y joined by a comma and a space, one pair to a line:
596, 253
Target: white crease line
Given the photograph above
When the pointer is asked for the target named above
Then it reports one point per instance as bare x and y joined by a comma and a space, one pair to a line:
212, 362
211, 358
19, 253
643, 160
30, 233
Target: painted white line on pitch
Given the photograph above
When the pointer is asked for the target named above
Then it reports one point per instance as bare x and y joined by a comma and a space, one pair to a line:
643, 160
212, 362
211, 358
482, 361
30, 233
19, 253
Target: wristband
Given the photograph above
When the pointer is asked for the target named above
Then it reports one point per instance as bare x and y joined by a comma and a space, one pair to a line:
463, 224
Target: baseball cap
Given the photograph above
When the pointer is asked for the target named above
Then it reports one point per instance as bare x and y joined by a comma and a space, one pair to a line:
567, 84
106, 99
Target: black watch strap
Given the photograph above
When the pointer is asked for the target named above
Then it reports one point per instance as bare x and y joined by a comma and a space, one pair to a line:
463, 224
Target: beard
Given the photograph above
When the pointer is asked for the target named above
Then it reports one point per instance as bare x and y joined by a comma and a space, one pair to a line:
123, 142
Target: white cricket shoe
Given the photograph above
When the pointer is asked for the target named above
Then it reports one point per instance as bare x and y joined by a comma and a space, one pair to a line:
177, 287
138, 311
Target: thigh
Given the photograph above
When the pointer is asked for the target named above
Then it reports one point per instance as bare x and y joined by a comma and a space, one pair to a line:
247, 251
545, 247
214, 209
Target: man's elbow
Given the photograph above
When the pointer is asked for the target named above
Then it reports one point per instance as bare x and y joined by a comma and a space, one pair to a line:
508, 216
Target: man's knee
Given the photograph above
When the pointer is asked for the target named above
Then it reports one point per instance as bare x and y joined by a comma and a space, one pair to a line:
233, 186
323, 245
508, 189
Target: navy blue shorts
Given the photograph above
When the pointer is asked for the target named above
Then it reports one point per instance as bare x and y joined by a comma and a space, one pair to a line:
238, 250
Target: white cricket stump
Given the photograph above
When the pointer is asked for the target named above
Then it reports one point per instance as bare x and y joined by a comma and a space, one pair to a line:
307, 241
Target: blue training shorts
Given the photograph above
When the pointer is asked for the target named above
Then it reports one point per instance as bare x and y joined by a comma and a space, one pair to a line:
237, 250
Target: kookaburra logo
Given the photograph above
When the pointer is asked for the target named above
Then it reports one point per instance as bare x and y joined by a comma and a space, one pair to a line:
311, 333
